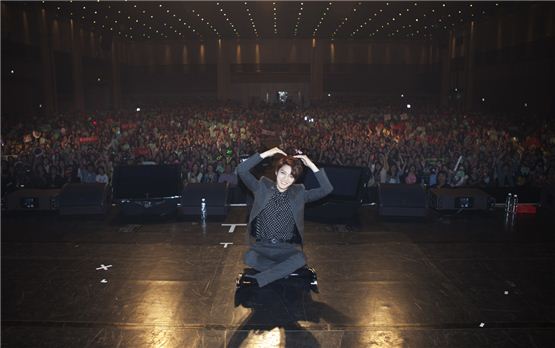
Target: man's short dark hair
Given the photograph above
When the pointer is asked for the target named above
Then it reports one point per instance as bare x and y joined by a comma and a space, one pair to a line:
295, 164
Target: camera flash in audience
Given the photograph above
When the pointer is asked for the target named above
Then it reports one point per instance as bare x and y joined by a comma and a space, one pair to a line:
402, 95
456, 89
483, 99
408, 106
525, 105
12, 72
329, 94
306, 118
98, 79
138, 109
40, 105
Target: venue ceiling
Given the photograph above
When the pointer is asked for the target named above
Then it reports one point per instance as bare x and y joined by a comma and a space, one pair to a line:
208, 20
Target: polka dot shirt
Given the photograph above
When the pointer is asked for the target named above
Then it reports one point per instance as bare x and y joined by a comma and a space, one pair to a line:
276, 219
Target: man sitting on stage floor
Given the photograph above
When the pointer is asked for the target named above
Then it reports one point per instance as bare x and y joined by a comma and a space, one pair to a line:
276, 221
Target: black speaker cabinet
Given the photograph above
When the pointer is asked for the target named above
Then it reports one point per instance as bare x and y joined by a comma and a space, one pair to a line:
144, 182
460, 198
347, 182
147, 190
332, 211
160, 207
402, 200
216, 198
83, 199
342, 204
32, 200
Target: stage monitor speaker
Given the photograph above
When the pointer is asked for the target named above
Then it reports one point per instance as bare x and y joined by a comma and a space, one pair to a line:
347, 181
333, 211
144, 182
149, 208
526, 194
460, 198
28, 199
403, 200
342, 204
216, 198
84, 199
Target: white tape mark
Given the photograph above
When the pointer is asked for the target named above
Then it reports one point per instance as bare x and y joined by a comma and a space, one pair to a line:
104, 281
458, 162
482, 324
225, 244
506, 292
232, 227
103, 267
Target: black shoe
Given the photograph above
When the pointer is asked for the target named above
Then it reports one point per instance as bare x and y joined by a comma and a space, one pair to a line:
244, 281
246, 297
309, 275
313, 280
241, 297
302, 272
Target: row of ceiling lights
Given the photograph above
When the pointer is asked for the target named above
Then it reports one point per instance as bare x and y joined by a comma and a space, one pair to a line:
392, 31
251, 20
426, 24
109, 23
275, 17
228, 20
197, 13
295, 31
321, 20
418, 28
368, 20
344, 20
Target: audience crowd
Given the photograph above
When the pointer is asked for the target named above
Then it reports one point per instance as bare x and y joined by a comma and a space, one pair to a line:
425, 146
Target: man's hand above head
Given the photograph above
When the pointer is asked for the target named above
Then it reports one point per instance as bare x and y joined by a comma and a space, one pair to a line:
271, 152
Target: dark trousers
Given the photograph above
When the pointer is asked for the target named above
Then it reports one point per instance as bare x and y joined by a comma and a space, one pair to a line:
274, 260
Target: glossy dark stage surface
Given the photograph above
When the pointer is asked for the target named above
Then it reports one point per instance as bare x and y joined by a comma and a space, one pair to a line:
461, 281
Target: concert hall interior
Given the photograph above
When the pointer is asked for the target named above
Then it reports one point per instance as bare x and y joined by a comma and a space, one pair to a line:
277, 174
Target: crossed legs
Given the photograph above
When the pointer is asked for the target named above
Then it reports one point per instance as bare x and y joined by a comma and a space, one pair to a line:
274, 261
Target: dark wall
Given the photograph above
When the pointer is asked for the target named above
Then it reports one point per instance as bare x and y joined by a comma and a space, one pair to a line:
97, 83
509, 77
22, 89
169, 80
64, 79
382, 79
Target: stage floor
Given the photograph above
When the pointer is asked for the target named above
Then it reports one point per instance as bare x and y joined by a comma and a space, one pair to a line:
454, 281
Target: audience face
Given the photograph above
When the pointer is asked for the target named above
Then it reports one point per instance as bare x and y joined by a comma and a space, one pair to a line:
441, 178
341, 134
